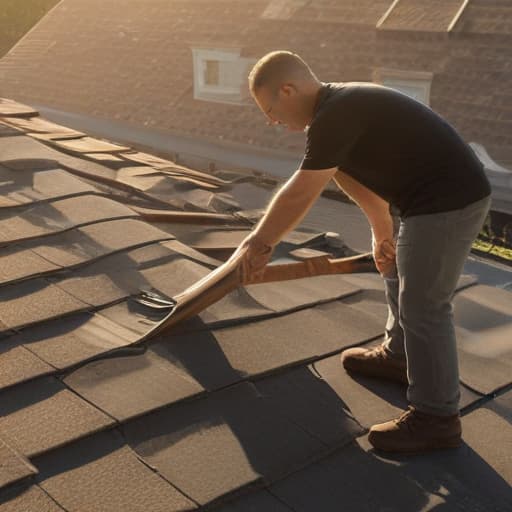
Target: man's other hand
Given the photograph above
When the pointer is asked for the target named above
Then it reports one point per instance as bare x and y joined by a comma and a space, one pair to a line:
384, 254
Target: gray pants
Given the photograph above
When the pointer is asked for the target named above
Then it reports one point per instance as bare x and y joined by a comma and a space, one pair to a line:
430, 254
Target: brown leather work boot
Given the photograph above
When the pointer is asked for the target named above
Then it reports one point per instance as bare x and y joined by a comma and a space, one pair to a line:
375, 362
416, 432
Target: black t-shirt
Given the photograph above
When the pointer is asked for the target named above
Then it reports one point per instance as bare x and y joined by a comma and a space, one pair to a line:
395, 146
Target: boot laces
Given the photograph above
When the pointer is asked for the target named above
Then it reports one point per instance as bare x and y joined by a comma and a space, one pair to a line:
408, 418
379, 351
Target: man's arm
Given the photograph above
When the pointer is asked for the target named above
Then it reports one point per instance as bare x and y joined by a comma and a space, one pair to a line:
375, 208
290, 205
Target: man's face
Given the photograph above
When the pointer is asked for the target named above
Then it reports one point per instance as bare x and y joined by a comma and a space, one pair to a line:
281, 107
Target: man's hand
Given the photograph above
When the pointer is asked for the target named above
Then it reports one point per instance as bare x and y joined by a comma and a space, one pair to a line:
384, 254
255, 258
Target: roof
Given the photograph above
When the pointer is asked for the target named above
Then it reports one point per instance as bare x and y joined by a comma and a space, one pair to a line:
243, 407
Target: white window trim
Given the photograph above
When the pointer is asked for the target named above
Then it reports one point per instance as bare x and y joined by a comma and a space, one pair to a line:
420, 79
202, 91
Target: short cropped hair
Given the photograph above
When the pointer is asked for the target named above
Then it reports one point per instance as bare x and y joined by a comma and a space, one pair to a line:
275, 68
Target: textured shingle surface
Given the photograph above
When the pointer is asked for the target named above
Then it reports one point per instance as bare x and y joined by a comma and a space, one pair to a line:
43, 414
67, 341
483, 315
133, 385
19, 364
361, 480
28, 499
13, 467
215, 441
104, 474
34, 301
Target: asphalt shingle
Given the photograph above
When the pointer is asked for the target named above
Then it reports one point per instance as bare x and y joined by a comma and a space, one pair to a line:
102, 473
34, 301
488, 439
287, 295
96, 240
13, 466
133, 385
304, 398
19, 364
18, 263
60, 215
31, 187
27, 499
256, 502
89, 145
64, 342
210, 447
42, 414
483, 317
357, 478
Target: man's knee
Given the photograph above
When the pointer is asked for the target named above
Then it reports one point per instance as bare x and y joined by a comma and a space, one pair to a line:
416, 311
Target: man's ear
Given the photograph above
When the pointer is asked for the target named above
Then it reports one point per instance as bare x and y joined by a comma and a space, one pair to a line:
288, 89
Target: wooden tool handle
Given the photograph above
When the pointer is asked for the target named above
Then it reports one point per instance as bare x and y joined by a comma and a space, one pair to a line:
321, 265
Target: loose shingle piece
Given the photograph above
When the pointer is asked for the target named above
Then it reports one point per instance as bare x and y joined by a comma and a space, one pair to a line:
57, 216
244, 406
31, 187
10, 107
93, 241
89, 145
64, 342
40, 125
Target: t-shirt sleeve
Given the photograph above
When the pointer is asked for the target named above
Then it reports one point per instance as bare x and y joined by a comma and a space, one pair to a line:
330, 138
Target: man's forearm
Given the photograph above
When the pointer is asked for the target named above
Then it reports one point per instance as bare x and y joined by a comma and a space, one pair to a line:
375, 208
287, 208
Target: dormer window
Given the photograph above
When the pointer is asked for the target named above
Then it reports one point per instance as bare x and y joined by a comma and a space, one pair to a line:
415, 84
220, 75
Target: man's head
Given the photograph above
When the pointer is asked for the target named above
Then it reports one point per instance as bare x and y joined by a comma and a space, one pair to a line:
285, 89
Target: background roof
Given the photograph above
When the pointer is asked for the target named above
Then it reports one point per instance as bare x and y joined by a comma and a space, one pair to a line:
146, 79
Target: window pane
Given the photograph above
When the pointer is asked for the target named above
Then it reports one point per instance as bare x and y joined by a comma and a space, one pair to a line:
230, 74
211, 72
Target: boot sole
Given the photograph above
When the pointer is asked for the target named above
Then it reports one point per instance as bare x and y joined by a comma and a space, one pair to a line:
445, 444
376, 375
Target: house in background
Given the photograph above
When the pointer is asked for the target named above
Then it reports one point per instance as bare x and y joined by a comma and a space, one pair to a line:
180, 67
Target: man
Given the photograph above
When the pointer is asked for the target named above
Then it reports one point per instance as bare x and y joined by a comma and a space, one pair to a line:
394, 157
